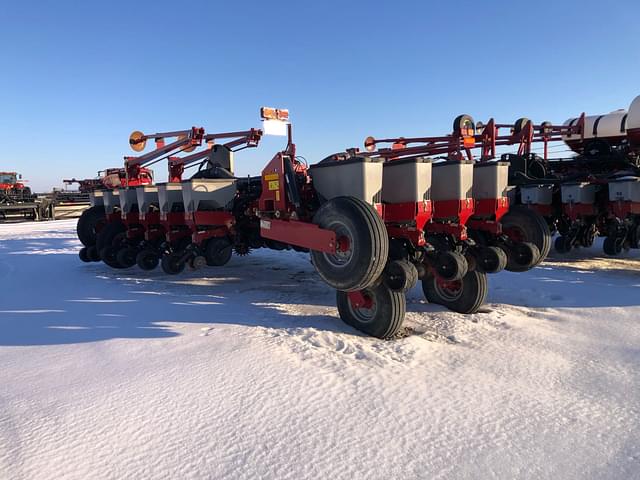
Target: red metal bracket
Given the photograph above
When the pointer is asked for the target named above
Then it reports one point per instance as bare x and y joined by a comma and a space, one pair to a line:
302, 234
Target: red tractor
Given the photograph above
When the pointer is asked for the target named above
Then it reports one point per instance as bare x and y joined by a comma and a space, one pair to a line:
10, 186
16, 198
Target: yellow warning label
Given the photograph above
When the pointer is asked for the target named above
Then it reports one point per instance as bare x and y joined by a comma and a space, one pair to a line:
274, 185
271, 176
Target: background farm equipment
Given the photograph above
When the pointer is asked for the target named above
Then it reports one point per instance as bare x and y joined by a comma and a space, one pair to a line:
590, 194
16, 199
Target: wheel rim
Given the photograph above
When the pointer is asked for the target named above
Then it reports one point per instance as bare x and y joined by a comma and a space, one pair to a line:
448, 290
344, 248
490, 260
149, 261
366, 313
524, 254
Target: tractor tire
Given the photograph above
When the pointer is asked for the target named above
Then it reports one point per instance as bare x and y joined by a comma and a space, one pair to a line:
562, 244
612, 246
463, 296
360, 261
491, 260
84, 255
88, 223
147, 260
451, 265
218, 252
522, 257
528, 226
382, 319
400, 275
171, 264
127, 257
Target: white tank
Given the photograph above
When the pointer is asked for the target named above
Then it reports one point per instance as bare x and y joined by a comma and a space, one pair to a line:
613, 128
610, 128
633, 123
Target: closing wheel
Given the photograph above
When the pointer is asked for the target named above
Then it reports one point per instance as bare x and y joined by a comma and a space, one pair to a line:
93, 253
521, 224
377, 311
107, 235
562, 244
451, 265
109, 255
147, 259
172, 263
491, 259
400, 275
522, 257
88, 225
362, 244
127, 257
463, 296
218, 252
612, 246
84, 255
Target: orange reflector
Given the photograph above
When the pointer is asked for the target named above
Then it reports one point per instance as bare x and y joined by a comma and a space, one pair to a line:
469, 142
268, 113
282, 114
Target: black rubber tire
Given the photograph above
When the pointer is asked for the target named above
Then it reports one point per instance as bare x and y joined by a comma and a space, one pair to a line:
109, 255
519, 124
461, 122
93, 253
366, 258
127, 257
107, 234
635, 237
522, 257
532, 227
147, 260
612, 246
562, 244
171, 264
468, 298
451, 265
84, 255
88, 223
491, 259
400, 275
382, 321
218, 252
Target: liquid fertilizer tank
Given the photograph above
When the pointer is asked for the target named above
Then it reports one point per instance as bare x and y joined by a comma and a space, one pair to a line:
603, 132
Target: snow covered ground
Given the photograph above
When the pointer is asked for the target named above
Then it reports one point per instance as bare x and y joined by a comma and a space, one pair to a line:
247, 372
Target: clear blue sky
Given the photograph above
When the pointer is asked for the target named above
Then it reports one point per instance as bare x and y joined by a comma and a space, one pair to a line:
78, 77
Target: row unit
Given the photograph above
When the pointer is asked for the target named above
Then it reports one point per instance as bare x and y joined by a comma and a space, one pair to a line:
371, 180
626, 189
